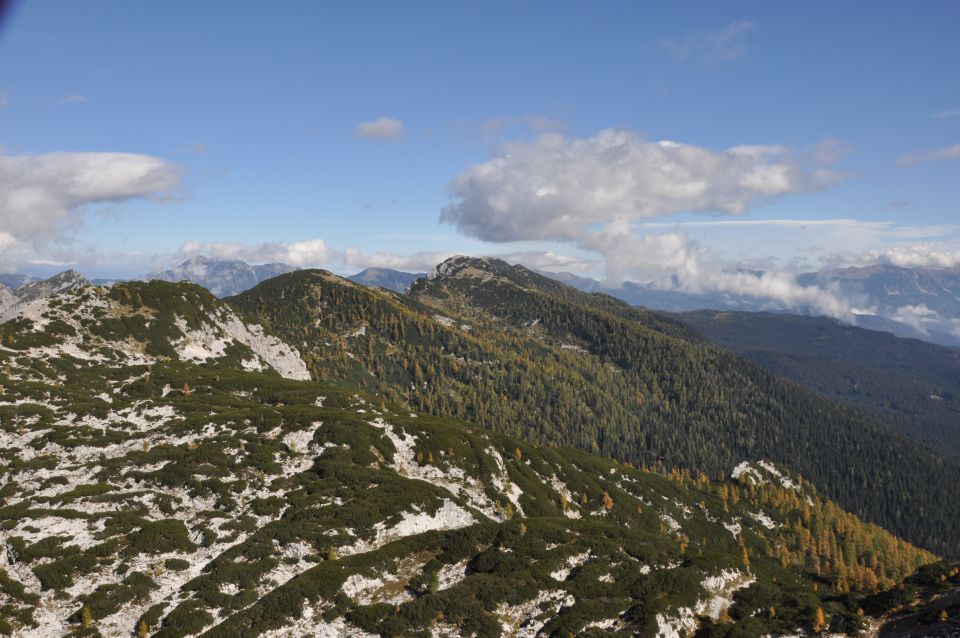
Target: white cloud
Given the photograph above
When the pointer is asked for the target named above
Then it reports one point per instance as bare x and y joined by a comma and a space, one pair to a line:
941, 115
307, 253
382, 129
672, 260
599, 193
73, 98
950, 152
918, 317
925, 255
549, 261
43, 196
712, 47
415, 262
555, 188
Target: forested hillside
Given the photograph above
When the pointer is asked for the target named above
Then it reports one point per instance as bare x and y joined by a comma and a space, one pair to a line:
160, 477
520, 354
912, 385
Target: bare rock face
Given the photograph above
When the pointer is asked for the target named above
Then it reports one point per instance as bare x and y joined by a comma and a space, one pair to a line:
15, 301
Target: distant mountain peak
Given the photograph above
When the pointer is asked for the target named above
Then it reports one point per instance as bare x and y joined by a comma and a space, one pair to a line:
462, 266
13, 302
222, 277
387, 278
61, 282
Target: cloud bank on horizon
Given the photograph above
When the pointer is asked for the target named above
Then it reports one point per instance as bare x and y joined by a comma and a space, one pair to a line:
604, 198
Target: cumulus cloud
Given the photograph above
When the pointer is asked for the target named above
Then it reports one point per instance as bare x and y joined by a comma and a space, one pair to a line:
712, 47
310, 252
673, 261
555, 188
43, 196
950, 152
923, 255
599, 194
382, 129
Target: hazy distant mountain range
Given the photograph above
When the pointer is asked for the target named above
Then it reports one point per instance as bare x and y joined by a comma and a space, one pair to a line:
920, 303
394, 280
222, 277
14, 280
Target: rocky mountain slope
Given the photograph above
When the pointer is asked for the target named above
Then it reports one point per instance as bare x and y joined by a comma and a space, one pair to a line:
7, 298
14, 302
222, 277
167, 469
529, 357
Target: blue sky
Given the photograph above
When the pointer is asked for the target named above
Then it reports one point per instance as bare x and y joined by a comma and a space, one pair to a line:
235, 132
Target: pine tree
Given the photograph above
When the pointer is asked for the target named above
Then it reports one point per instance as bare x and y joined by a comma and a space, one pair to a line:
142, 630
86, 617
819, 622
607, 502
744, 554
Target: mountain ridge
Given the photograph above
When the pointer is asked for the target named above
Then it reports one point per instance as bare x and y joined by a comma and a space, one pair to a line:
197, 496
13, 302
590, 371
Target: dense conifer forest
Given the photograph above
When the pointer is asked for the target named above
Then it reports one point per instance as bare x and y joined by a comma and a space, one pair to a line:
514, 352
912, 385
